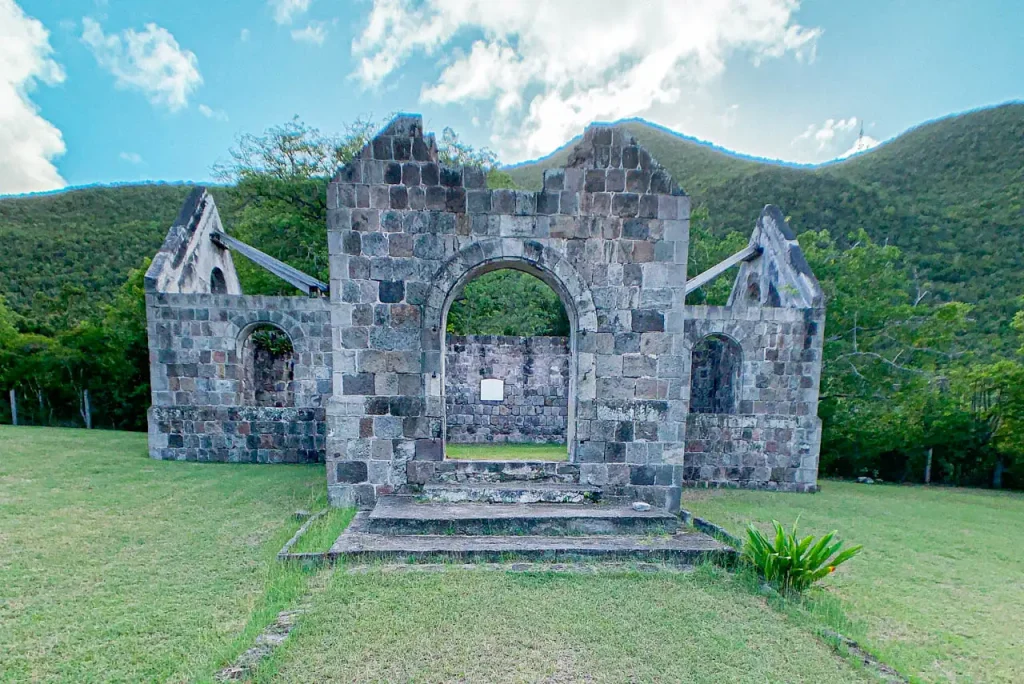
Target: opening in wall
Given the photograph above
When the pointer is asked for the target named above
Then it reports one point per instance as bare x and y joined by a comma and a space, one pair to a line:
268, 368
715, 369
218, 283
507, 370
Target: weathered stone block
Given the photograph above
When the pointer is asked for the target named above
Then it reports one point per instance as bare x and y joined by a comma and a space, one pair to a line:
350, 472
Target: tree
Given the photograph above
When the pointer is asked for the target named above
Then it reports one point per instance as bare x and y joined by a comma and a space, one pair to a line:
508, 302
280, 195
280, 191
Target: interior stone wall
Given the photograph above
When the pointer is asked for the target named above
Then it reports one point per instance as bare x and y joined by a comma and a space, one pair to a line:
535, 371
773, 437
201, 409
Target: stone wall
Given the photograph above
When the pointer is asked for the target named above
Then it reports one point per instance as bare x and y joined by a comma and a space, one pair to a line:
200, 407
772, 437
608, 233
535, 372
239, 434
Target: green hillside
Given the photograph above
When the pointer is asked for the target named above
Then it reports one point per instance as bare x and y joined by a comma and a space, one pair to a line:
949, 193
72, 250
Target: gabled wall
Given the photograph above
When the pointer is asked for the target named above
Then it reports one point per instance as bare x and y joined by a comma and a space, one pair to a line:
608, 233
185, 262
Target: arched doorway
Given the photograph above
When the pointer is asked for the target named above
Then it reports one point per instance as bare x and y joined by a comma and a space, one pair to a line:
267, 359
507, 369
509, 389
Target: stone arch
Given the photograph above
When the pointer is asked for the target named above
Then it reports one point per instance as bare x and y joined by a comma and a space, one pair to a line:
218, 282
533, 258
716, 367
245, 321
266, 355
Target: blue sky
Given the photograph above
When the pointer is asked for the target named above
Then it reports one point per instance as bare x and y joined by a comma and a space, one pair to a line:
101, 91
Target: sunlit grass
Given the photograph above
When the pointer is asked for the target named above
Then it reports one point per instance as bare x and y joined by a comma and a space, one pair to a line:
937, 590
115, 567
324, 531
487, 626
507, 452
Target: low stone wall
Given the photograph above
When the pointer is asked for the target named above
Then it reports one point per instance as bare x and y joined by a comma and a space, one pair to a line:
752, 451
244, 434
202, 409
535, 372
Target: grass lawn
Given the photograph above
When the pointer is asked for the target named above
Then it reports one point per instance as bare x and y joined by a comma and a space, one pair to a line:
507, 452
486, 626
938, 591
114, 567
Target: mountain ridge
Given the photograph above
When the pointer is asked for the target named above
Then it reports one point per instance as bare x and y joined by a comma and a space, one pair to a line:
949, 192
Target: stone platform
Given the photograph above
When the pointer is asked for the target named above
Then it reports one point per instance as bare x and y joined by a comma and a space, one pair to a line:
494, 512
401, 515
683, 547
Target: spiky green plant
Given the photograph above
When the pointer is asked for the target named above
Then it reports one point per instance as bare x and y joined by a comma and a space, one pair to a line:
794, 564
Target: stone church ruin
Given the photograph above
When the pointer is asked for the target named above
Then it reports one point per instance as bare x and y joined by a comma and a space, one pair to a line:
649, 394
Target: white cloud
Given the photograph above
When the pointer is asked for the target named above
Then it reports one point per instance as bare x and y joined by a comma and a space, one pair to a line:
150, 61
211, 113
244, 35
825, 135
28, 142
822, 142
286, 10
131, 157
315, 33
729, 116
550, 68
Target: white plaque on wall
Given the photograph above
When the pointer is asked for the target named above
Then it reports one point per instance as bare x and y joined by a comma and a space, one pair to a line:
492, 389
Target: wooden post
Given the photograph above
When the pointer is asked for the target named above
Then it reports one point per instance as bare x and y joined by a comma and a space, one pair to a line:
14, 407
86, 410
928, 467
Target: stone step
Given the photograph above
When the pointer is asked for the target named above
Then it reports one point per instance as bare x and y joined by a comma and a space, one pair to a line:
511, 493
403, 515
686, 546
485, 472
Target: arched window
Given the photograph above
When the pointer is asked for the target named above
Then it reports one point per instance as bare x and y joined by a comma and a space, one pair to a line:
268, 368
715, 369
218, 283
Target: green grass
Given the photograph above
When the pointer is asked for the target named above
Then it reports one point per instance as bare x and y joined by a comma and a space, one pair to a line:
483, 626
324, 531
507, 452
937, 591
115, 567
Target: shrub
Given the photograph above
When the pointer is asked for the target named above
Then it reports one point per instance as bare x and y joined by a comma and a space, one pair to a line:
794, 564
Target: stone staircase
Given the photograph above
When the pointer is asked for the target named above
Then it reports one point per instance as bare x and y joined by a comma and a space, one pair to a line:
497, 511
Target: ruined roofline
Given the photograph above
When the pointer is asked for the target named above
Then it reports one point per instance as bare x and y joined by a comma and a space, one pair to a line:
175, 243
401, 139
184, 252
610, 146
780, 264
607, 146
